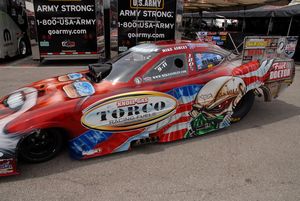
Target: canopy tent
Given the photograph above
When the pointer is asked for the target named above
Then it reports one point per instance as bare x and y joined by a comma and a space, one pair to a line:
263, 11
200, 5
287, 11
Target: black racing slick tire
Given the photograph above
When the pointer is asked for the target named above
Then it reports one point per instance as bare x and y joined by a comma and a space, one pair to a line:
41, 146
243, 107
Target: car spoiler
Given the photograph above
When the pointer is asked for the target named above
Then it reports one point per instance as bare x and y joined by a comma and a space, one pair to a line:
268, 47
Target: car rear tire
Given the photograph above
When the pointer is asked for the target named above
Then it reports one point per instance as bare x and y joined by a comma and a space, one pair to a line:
41, 146
23, 48
243, 107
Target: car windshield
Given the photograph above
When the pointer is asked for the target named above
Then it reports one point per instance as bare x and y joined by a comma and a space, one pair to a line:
127, 64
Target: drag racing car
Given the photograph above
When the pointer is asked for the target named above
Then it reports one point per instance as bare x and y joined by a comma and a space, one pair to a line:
159, 92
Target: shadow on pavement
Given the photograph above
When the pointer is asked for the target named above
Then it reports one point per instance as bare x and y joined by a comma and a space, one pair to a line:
62, 63
9, 60
261, 114
19, 61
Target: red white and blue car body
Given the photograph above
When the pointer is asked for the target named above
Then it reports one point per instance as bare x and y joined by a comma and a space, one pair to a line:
158, 92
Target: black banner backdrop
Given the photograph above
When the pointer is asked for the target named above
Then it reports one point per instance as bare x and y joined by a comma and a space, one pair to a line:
145, 20
66, 25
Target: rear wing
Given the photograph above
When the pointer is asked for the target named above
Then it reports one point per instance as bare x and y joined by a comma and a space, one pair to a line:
268, 47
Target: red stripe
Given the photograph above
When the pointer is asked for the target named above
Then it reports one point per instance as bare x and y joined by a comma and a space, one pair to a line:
185, 107
250, 80
162, 131
176, 135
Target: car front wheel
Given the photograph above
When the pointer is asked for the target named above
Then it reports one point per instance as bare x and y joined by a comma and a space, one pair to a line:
41, 145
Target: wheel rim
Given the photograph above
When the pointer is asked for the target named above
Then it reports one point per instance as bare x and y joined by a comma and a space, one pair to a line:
23, 48
39, 145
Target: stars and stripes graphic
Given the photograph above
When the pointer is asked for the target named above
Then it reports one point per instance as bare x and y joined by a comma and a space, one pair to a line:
254, 74
180, 122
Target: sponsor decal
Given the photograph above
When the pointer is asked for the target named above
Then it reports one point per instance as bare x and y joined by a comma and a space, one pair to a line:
223, 38
182, 47
281, 45
123, 48
205, 96
79, 89
167, 50
147, 4
68, 44
258, 43
202, 33
254, 52
216, 38
167, 75
44, 44
160, 67
147, 79
7, 166
138, 80
270, 53
247, 58
220, 42
68, 77
191, 62
74, 76
92, 152
268, 47
207, 60
280, 70
290, 47
197, 45
85, 144
129, 111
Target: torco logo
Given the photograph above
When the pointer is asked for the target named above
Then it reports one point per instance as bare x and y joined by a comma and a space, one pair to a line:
129, 111
68, 44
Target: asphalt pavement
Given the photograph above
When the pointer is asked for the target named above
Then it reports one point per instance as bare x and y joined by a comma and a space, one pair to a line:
257, 159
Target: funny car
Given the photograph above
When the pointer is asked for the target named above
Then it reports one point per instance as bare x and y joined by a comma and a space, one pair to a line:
154, 92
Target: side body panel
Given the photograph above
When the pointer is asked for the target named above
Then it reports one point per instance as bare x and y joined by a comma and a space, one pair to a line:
107, 117
205, 103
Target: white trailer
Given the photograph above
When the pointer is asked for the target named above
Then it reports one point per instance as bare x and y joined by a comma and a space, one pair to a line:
12, 39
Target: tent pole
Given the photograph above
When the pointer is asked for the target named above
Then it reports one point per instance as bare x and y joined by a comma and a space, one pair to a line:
290, 25
244, 24
200, 15
244, 20
106, 5
269, 26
